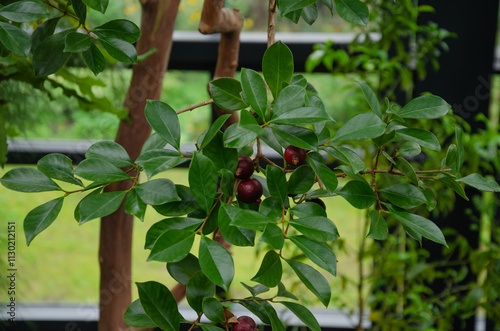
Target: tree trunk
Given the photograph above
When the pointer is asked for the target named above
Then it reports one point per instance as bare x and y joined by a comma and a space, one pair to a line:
115, 253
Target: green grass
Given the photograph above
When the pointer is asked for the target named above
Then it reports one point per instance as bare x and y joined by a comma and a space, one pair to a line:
61, 264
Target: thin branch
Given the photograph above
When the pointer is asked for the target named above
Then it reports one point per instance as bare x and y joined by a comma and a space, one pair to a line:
197, 105
66, 13
249, 299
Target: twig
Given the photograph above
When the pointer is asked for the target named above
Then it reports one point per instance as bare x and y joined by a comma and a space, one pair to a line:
249, 299
271, 23
196, 322
65, 12
197, 105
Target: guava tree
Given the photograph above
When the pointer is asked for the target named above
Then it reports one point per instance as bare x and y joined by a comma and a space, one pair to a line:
229, 198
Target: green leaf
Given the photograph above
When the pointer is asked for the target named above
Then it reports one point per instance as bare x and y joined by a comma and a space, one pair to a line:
213, 310
324, 174
460, 147
303, 115
94, 59
273, 236
183, 270
271, 140
329, 4
277, 65
378, 226
101, 171
301, 180
25, 179
409, 149
214, 129
133, 205
234, 234
276, 183
283, 292
120, 50
452, 183
156, 161
310, 13
172, 246
221, 156
361, 126
303, 314
24, 11
316, 227
119, 29
371, 97
420, 136
255, 90
257, 289
297, 136
276, 323
157, 191
163, 119
450, 161
80, 9
291, 97
203, 180
425, 107
41, 218
216, 262
199, 288
99, 5
348, 156
184, 206
481, 183
359, 194
135, 316
160, 305
174, 223
353, 11
14, 39
235, 136
3, 140
110, 151
99, 205
313, 280
287, 6
251, 219
270, 270
319, 253
43, 31
155, 141
257, 308
407, 169
248, 122
420, 225
404, 195
226, 93
49, 56
77, 42
58, 166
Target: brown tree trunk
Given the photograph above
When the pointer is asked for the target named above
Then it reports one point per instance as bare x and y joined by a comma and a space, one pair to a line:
115, 253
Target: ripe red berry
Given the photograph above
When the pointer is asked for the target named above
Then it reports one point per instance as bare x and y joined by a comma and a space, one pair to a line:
245, 167
295, 155
249, 190
318, 201
246, 323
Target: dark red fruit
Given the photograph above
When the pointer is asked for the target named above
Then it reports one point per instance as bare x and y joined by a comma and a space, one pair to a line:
246, 323
295, 155
249, 190
245, 167
318, 201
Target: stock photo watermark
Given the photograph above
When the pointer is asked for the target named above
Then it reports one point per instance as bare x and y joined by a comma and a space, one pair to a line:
11, 272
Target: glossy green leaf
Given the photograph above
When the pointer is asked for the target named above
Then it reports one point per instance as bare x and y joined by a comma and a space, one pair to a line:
361, 126
58, 166
24, 11
409, 149
226, 93
256, 290
80, 10
359, 194
99, 205
297, 136
120, 50
451, 182
248, 122
291, 97
250, 219
25, 179
77, 42
306, 209
270, 270
235, 136
214, 129
271, 140
450, 160
221, 156
49, 56
420, 136
313, 280
41, 218
404, 195
425, 107
157, 191
420, 225
163, 119
276, 183
273, 236
303, 115
348, 156
329, 4
301, 180
14, 39
319, 253
371, 97
324, 174
378, 226
94, 59
133, 205
460, 147
213, 310
199, 288
203, 180
303, 314
43, 31
135, 316
257, 308
216, 262
119, 29
174, 223
184, 206
154, 141
276, 323
172, 246
277, 66
183, 270
407, 169
316, 227
99, 170
99, 5
353, 11
287, 6
110, 151
283, 292
160, 305
234, 234
156, 161
481, 183
310, 13
255, 90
